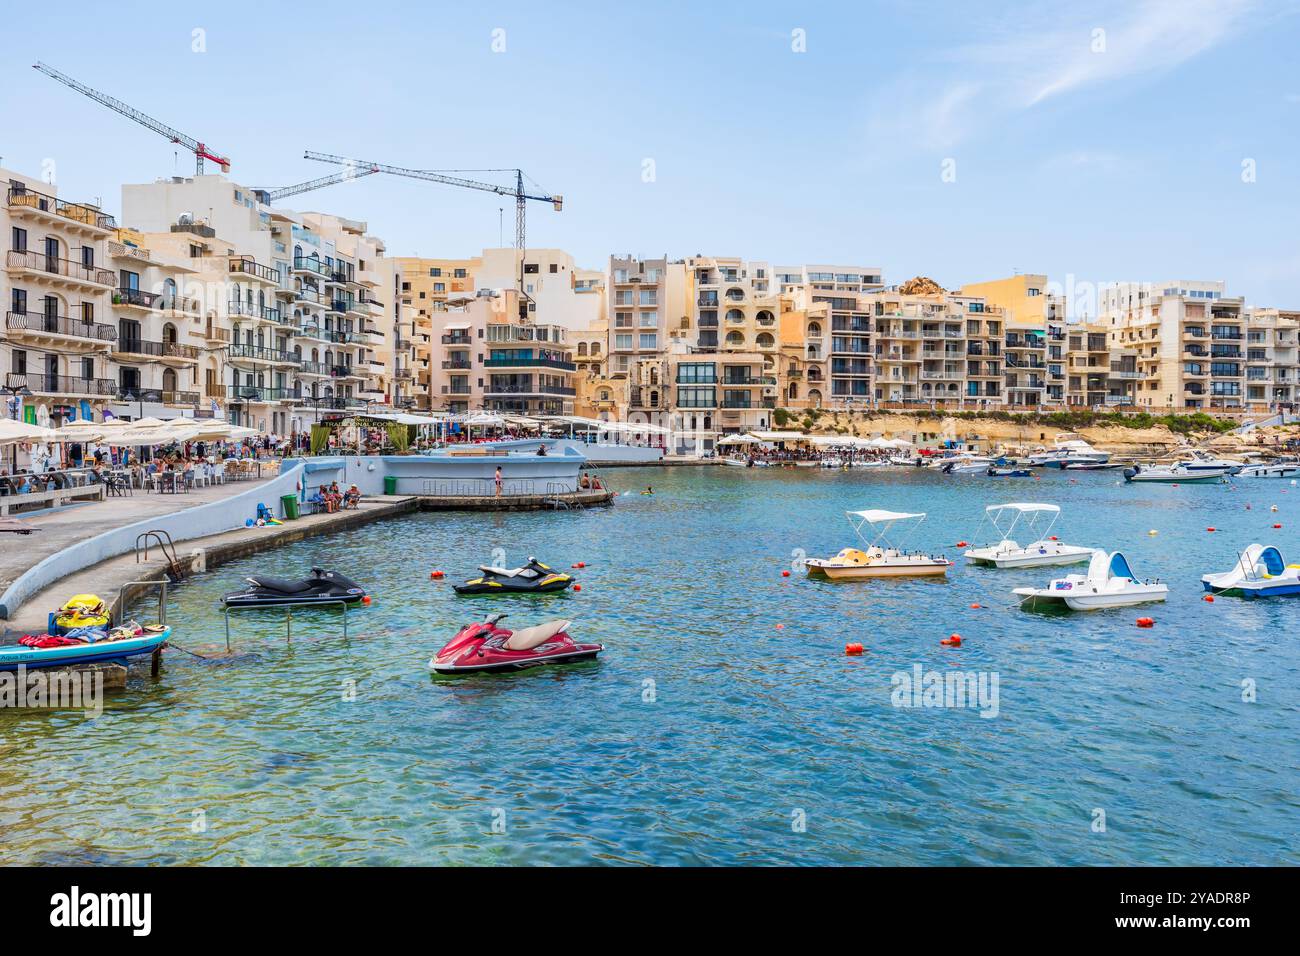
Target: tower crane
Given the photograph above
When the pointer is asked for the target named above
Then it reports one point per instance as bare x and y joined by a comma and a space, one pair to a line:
270, 195
517, 191
199, 149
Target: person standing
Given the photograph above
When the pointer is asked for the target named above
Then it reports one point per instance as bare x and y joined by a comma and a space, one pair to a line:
497, 481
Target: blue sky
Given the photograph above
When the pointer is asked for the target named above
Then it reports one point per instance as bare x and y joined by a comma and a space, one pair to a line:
1111, 161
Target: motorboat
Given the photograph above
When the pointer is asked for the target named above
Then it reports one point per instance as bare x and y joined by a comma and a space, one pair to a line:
1203, 461
1275, 469
1068, 449
1045, 550
880, 558
1259, 572
1109, 582
1092, 465
322, 587
995, 472
1178, 473
533, 578
969, 464
485, 648
63, 651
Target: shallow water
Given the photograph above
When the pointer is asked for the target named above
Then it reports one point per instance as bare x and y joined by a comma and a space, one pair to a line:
724, 724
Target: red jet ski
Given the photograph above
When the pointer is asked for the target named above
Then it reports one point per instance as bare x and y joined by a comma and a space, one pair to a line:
485, 648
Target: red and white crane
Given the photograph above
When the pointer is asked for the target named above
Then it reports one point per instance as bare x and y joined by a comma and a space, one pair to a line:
200, 150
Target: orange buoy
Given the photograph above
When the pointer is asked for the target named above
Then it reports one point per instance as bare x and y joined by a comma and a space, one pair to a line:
1277, 526
780, 626
961, 544
577, 587
1053, 538
952, 640
435, 574
852, 649
1146, 622
785, 574
976, 607
365, 599
1209, 529
1209, 599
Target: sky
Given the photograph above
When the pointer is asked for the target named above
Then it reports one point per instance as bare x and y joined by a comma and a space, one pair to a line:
966, 140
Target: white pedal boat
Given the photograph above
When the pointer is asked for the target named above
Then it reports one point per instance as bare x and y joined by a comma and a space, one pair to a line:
1109, 582
1043, 551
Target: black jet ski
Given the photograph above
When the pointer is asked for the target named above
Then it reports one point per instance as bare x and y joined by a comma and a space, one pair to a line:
321, 588
533, 578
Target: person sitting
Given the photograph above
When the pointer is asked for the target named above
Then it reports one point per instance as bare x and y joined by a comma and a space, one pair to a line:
318, 500
25, 486
584, 481
353, 497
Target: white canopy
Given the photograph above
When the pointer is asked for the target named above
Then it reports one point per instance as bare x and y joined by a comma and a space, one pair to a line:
781, 436
633, 427
1022, 506
13, 432
484, 418
875, 516
739, 440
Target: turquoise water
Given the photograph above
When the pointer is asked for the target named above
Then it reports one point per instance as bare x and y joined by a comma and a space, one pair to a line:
724, 724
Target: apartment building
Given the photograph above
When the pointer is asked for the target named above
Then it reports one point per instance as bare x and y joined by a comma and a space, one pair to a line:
1187, 341
1272, 358
489, 358
555, 290
291, 302
802, 369
59, 333
1034, 354
841, 352
421, 288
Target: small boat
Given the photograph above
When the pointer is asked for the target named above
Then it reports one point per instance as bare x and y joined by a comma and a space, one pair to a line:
1203, 461
1109, 582
12, 656
1178, 473
1276, 469
1044, 551
323, 587
485, 648
533, 578
969, 464
1009, 472
881, 558
1259, 572
1068, 449
1093, 465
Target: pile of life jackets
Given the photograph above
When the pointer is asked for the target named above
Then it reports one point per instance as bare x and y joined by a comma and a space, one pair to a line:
82, 610
83, 635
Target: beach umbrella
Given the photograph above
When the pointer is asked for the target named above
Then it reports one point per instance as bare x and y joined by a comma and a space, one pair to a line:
15, 432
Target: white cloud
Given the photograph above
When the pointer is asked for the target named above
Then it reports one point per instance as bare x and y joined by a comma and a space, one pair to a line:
1027, 65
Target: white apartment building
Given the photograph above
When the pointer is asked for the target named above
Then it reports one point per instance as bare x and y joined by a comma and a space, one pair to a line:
555, 290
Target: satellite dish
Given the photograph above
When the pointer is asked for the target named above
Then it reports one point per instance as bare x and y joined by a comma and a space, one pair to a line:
186, 219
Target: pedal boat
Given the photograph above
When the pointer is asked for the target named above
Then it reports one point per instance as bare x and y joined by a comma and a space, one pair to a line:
1039, 553
1109, 583
880, 558
1259, 572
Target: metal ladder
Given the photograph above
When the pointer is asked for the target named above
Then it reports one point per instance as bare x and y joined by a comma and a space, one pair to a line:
175, 570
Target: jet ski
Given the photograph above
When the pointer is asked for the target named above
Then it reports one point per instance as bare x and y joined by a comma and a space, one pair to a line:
322, 587
485, 648
533, 578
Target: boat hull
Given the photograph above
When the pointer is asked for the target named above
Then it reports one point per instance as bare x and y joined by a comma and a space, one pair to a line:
12, 657
1091, 602
1026, 559
862, 572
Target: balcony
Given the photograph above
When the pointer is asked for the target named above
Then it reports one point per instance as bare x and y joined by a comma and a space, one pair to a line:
539, 389
457, 340
49, 209
64, 272
531, 363
57, 329
238, 394
135, 299
462, 364
314, 368
259, 313
403, 374
338, 306
181, 354
163, 397
251, 269
259, 354
61, 385
309, 266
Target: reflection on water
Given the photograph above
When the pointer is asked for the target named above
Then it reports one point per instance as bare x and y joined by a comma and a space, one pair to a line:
723, 708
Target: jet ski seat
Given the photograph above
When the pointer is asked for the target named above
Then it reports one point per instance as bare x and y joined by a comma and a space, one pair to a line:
280, 585
508, 572
525, 639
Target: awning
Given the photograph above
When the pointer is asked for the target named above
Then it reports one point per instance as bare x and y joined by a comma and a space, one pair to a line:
876, 516
1022, 506
780, 436
457, 326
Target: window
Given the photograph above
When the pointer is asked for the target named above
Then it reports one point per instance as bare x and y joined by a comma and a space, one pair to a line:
20, 240
530, 268
438, 287
459, 274
554, 268
623, 341
696, 373
649, 340
694, 397
435, 272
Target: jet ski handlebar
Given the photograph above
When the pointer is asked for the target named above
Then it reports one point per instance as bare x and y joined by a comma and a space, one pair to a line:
491, 619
